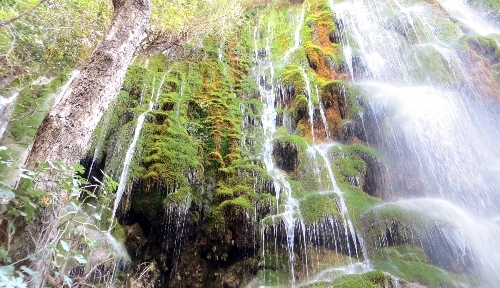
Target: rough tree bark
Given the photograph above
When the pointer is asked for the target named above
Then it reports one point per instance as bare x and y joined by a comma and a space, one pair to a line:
65, 132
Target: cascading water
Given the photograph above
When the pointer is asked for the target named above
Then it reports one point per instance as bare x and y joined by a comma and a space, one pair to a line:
126, 164
265, 76
314, 157
425, 115
323, 116
131, 150
460, 10
296, 35
349, 228
341, 234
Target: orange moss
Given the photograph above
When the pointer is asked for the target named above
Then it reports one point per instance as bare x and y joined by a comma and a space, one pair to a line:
334, 122
323, 36
317, 61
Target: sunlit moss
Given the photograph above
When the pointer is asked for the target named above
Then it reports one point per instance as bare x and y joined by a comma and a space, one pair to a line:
410, 263
316, 207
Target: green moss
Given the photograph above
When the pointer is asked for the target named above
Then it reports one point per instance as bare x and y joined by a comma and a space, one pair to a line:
157, 62
409, 263
169, 151
296, 140
482, 45
321, 284
363, 150
274, 277
403, 252
300, 104
350, 166
223, 193
119, 233
291, 75
354, 281
316, 207
238, 202
134, 81
150, 204
373, 279
433, 67
357, 203
182, 196
488, 7
321, 61
284, 23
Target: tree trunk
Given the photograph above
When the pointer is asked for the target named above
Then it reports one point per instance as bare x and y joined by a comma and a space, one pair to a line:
65, 132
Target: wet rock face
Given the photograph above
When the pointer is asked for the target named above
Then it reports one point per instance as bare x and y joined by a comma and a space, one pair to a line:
375, 176
234, 276
286, 155
406, 179
440, 242
396, 282
191, 271
359, 67
135, 239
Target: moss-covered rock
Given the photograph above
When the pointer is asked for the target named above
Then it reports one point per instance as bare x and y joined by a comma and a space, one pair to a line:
316, 207
392, 226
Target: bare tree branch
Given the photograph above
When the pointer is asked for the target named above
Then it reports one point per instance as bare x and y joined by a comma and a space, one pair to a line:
9, 21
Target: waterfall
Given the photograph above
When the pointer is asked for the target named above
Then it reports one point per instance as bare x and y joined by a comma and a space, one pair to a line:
460, 10
126, 164
439, 123
281, 184
442, 140
265, 76
366, 145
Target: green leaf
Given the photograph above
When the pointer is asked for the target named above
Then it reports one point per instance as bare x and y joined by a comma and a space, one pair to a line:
80, 259
25, 176
37, 192
79, 168
4, 193
43, 166
68, 280
3, 254
65, 245
75, 192
28, 271
112, 184
6, 271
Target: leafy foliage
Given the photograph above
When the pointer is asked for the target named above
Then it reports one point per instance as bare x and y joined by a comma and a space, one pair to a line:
57, 34
76, 240
181, 21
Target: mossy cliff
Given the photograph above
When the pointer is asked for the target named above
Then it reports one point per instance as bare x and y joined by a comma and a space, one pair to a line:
200, 206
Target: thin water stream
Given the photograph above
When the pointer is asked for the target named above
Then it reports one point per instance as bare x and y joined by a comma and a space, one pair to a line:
122, 183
